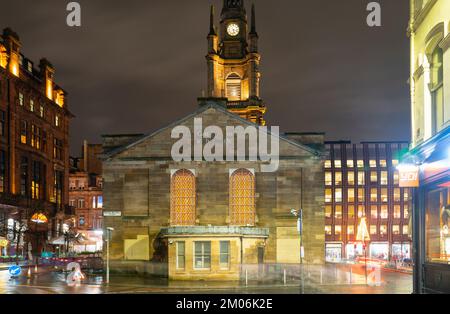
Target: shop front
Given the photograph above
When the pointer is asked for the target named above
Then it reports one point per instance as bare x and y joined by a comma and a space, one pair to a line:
379, 251
333, 252
431, 213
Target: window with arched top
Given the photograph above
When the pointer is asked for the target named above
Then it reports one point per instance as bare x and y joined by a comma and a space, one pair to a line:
182, 198
233, 87
437, 88
242, 198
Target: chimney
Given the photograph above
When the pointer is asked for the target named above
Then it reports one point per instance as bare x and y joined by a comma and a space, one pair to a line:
47, 74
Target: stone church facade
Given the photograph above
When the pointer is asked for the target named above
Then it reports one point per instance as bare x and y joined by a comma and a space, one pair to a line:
199, 219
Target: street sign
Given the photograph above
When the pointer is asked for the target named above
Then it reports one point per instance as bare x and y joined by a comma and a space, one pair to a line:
14, 270
112, 214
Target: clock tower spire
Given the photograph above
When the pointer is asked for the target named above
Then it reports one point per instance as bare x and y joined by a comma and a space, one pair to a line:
233, 62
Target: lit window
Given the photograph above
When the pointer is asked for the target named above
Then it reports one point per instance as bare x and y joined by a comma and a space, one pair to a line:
338, 195
350, 230
361, 178
396, 229
224, 258
350, 163
99, 201
181, 255
338, 178
21, 99
373, 195
337, 230
406, 211
383, 163
384, 178
384, 212
374, 212
41, 111
202, 255
373, 229
182, 198
242, 198
396, 178
360, 163
337, 163
328, 230
351, 195
351, 211
405, 230
328, 195
395, 162
437, 88
372, 163
360, 195
383, 229
405, 195
384, 195
338, 212
397, 195
23, 132
327, 164
56, 120
397, 212
31, 105
361, 210
373, 177
328, 211
351, 178
328, 178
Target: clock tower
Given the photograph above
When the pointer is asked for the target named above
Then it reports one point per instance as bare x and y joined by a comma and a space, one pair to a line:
233, 62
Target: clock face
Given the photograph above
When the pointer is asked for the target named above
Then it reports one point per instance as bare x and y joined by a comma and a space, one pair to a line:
233, 29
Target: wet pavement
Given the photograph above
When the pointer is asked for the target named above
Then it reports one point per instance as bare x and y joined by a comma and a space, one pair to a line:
46, 281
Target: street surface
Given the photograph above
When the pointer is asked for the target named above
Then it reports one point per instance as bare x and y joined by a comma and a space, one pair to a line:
46, 281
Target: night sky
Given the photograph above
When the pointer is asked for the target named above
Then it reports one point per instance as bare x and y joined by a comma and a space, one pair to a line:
135, 66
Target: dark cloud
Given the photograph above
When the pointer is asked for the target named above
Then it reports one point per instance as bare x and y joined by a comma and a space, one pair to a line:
135, 66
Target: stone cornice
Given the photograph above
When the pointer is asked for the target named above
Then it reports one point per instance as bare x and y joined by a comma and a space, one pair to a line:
445, 43
422, 14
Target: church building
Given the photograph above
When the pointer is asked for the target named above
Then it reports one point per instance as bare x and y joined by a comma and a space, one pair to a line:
193, 218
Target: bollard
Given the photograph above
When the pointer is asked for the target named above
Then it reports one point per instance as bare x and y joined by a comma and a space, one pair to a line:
284, 277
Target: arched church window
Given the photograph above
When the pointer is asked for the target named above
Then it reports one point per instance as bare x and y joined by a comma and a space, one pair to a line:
182, 198
437, 88
233, 87
242, 198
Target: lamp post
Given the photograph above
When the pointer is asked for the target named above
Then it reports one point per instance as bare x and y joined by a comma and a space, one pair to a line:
299, 215
109, 231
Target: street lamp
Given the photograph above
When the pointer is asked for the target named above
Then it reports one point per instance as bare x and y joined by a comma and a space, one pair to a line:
109, 231
299, 215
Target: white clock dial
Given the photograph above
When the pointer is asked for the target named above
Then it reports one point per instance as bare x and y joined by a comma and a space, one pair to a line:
233, 29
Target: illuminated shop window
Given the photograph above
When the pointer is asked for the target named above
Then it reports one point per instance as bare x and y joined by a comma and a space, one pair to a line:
202, 255
351, 195
360, 195
361, 178
384, 178
328, 178
242, 198
338, 195
182, 198
338, 178
233, 87
373, 194
328, 230
373, 177
350, 230
328, 195
181, 254
350, 163
384, 195
328, 211
351, 178
372, 163
351, 211
384, 212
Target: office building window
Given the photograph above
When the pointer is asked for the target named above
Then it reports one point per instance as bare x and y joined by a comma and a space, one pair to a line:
351, 178
360, 195
372, 163
405, 230
396, 229
395, 179
328, 230
350, 163
361, 211
350, 230
360, 163
384, 214
373, 194
384, 195
31, 105
328, 195
21, 99
23, 132
338, 178
338, 211
350, 195
327, 164
328, 211
397, 213
383, 163
338, 195
373, 229
361, 178
328, 178
351, 211
373, 177
41, 111
383, 229
202, 255
406, 211
337, 163
374, 212
337, 230
397, 195
384, 178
